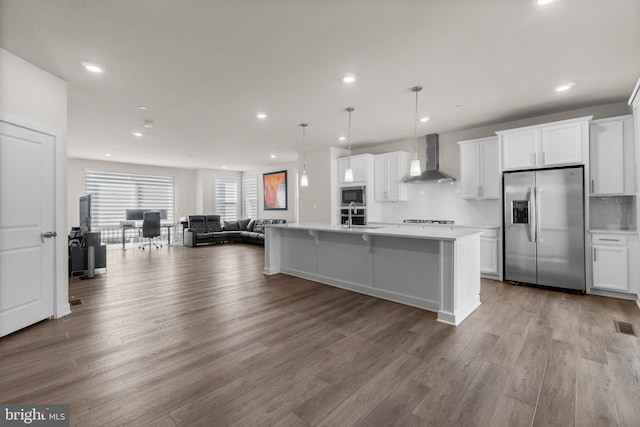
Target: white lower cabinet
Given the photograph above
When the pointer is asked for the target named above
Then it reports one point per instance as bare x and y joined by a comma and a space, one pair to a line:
488, 255
611, 256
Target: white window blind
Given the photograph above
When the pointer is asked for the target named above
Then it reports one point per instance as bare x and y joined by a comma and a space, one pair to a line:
114, 192
226, 197
250, 196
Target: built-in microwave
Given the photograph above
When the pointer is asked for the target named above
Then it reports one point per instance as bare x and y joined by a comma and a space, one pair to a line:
353, 194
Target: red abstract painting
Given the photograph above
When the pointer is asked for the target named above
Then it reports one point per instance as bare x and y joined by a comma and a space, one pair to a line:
275, 190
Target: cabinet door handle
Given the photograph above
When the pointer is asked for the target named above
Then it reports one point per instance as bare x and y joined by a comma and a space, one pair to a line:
542, 158
593, 185
595, 258
609, 240
532, 157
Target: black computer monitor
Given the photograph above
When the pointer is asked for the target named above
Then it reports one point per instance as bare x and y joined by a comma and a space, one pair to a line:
138, 214
85, 213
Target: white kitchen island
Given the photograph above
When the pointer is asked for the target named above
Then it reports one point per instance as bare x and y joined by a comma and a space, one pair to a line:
437, 270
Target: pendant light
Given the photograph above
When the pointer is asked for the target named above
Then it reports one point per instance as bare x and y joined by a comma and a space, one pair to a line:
348, 174
304, 181
415, 163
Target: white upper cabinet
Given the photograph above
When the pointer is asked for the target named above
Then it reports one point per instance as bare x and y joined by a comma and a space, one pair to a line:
360, 165
390, 173
479, 171
612, 154
520, 149
547, 145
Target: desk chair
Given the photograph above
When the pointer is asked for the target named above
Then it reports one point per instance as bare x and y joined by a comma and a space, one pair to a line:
151, 228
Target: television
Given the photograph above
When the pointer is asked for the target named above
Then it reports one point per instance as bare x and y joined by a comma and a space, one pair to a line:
85, 213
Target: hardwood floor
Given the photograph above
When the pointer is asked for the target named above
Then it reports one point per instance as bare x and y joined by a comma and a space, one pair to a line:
200, 337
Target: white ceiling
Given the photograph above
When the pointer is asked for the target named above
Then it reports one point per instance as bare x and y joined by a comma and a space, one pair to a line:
205, 68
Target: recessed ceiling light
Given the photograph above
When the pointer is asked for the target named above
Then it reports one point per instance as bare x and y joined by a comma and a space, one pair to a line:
148, 123
342, 138
138, 134
424, 119
349, 78
93, 67
543, 2
107, 155
273, 156
565, 87
261, 115
142, 107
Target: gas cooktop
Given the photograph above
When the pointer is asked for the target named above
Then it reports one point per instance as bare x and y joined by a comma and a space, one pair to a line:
428, 221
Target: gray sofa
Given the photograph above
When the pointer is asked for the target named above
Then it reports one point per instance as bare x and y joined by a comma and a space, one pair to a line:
207, 229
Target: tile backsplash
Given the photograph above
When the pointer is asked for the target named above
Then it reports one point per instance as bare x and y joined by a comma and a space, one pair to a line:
613, 213
442, 201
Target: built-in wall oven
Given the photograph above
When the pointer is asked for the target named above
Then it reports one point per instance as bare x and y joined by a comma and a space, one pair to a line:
358, 218
357, 195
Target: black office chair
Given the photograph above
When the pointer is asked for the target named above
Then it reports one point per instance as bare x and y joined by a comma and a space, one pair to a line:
151, 228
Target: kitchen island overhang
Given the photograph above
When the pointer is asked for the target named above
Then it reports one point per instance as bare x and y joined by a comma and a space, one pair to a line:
436, 270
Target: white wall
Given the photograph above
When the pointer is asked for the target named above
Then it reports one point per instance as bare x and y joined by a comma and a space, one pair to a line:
35, 96
184, 179
292, 191
441, 200
319, 201
30, 92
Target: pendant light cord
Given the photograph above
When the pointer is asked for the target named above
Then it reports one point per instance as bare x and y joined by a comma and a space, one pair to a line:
416, 89
415, 128
350, 109
304, 147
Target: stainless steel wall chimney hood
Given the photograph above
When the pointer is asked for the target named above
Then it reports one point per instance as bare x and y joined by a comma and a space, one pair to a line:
433, 173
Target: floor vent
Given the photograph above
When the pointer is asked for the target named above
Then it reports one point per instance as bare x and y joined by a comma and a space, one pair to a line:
75, 301
624, 328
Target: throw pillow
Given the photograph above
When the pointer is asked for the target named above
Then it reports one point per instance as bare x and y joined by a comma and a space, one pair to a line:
250, 226
242, 223
231, 226
258, 227
214, 226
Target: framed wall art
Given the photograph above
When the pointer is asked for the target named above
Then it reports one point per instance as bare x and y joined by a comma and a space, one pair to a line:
275, 190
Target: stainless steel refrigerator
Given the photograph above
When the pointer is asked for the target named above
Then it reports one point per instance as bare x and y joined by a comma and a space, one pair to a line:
544, 227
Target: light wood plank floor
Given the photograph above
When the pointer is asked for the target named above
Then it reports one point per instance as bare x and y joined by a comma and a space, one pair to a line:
200, 337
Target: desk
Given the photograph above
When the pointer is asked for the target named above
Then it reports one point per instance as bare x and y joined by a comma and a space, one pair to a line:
124, 231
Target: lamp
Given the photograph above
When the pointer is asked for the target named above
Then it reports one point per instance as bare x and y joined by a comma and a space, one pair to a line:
348, 174
304, 181
415, 163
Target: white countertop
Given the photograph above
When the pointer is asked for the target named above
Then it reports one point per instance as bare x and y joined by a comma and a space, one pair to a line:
612, 231
422, 224
441, 233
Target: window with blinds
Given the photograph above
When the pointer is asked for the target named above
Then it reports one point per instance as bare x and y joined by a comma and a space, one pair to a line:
114, 192
226, 197
250, 196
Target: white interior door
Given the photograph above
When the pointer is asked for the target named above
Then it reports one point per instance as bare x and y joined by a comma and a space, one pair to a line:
27, 201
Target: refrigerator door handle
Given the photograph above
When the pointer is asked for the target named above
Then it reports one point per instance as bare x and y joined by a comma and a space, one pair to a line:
532, 219
538, 193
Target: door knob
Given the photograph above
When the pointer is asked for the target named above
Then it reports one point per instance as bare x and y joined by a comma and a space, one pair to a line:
48, 235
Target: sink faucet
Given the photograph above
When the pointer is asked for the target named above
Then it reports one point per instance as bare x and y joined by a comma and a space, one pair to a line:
352, 205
